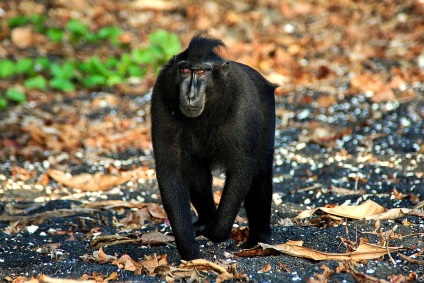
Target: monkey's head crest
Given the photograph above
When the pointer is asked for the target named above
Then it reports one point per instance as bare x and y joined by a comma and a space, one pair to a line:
202, 48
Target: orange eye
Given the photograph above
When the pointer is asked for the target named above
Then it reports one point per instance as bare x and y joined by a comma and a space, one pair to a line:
185, 71
200, 72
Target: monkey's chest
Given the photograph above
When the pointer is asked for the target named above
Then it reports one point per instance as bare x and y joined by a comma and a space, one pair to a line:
209, 147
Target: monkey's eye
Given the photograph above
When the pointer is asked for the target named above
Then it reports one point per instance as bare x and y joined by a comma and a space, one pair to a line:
200, 72
185, 71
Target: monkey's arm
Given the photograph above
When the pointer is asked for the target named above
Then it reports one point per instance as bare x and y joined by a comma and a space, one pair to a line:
176, 201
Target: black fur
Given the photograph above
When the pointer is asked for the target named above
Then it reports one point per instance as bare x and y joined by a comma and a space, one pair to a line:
234, 131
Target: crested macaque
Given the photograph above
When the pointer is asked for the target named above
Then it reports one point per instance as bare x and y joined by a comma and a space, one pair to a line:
210, 113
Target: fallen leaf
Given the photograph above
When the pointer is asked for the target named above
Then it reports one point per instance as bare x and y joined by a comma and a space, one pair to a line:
125, 262
362, 211
390, 214
88, 182
22, 37
240, 234
157, 212
363, 252
151, 262
156, 238
265, 269
157, 5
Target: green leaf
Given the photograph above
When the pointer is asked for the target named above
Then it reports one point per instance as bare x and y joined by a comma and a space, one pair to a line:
17, 21
66, 70
62, 84
38, 82
15, 95
114, 80
135, 71
111, 62
109, 33
7, 68
3, 103
38, 22
142, 56
77, 27
93, 81
78, 30
91, 37
126, 59
24, 66
97, 66
41, 64
166, 41
55, 34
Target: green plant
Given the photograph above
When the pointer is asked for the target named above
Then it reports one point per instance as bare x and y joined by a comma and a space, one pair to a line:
37, 82
15, 95
65, 76
7, 68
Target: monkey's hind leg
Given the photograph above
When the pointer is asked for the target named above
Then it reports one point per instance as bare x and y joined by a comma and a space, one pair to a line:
258, 209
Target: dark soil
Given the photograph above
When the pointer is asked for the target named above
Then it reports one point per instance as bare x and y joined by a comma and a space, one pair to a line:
350, 128
378, 156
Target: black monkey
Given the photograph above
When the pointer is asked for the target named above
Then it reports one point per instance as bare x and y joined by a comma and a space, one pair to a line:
211, 113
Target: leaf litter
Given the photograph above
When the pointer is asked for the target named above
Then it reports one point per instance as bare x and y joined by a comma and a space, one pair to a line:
350, 129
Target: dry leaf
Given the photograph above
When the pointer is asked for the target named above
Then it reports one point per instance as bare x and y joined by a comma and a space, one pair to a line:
47, 279
391, 214
204, 264
22, 37
362, 211
157, 5
125, 262
265, 269
240, 234
157, 212
156, 238
88, 182
151, 262
363, 252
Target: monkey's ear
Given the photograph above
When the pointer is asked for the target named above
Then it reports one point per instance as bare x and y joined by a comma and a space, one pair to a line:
225, 67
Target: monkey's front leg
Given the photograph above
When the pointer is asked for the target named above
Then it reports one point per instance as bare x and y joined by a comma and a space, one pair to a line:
236, 187
176, 201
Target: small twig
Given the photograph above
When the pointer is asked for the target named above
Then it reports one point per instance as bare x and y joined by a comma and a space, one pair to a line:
414, 234
361, 277
415, 261
387, 244
310, 188
356, 182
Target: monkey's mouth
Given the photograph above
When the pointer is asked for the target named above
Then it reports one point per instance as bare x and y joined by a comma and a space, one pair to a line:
192, 111
192, 108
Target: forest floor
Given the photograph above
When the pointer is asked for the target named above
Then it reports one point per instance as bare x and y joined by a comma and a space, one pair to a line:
78, 195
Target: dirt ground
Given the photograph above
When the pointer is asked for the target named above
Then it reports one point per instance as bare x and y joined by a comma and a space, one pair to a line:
350, 129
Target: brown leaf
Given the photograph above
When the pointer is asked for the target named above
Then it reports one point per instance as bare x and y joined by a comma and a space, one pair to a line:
156, 238
88, 182
240, 234
157, 212
101, 255
205, 265
125, 262
363, 252
153, 261
391, 214
157, 5
22, 37
325, 101
265, 269
362, 211
373, 82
